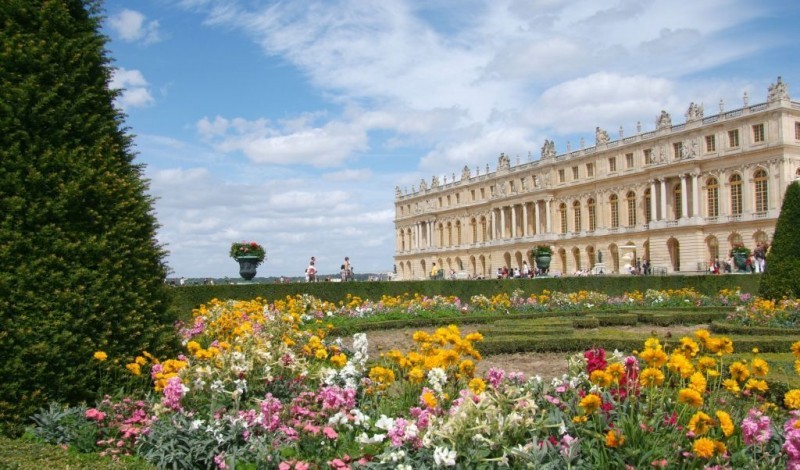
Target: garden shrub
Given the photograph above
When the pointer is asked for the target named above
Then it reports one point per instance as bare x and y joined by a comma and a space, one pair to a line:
586, 322
722, 327
80, 268
782, 271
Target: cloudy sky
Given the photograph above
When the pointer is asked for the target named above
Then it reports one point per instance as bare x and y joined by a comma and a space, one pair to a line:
290, 123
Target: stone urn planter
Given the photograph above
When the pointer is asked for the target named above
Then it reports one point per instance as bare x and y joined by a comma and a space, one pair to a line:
543, 262
740, 260
247, 266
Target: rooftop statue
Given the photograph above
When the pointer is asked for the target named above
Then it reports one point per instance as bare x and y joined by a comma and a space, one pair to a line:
664, 121
548, 149
694, 112
600, 136
778, 91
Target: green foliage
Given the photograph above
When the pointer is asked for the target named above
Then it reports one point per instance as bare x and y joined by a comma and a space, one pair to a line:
722, 327
184, 299
80, 269
26, 454
783, 260
240, 249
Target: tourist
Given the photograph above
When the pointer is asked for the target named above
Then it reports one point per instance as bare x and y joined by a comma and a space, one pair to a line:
311, 271
343, 273
499, 273
526, 270
760, 254
435, 271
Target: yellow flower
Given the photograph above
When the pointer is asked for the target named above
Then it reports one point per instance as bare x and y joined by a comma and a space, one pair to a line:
654, 357
429, 399
796, 348
651, 377
731, 385
579, 419
616, 371
700, 423
382, 376
680, 364
590, 403
739, 371
725, 423
193, 347
698, 382
759, 367
702, 335
756, 385
467, 368
140, 360
690, 397
321, 353
474, 337
416, 376
652, 343
339, 360
720, 447
792, 399
100, 356
134, 368
706, 363
477, 385
601, 378
614, 439
704, 448
797, 366
689, 347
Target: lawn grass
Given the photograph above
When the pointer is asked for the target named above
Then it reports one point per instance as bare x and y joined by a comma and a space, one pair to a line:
24, 454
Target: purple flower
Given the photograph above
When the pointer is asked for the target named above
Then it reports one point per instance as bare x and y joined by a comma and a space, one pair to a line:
495, 376
173, 393
756, 428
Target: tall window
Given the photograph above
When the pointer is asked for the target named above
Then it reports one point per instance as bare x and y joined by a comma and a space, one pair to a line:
474, 231
712, 192
561, 177
760, 180
736, 194
628, 160
758, 132
648, 212
458, 233
648, 156
677, 148
592, 214
590, 170
483, 229
711, 143
574, 172
797, 131
576, 209
612, 162
631, 200
449, 234
614, 203
733, 138
441, 235
676, 202
562, 208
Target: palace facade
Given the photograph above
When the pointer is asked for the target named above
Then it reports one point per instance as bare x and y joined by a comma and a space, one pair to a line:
679, 196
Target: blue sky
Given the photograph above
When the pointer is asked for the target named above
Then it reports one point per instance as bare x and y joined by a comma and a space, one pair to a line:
290, 123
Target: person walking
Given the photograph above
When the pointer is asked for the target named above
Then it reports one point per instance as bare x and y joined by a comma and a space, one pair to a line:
311, 271
348, 269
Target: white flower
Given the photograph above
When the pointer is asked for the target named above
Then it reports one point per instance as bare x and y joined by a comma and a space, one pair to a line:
404, 466
437, 378
384, 423
411, 430
217, 386
444, 457
196, 424
364, 438
338, 418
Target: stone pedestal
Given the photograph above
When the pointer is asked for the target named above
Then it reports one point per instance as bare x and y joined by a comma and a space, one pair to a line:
599, 268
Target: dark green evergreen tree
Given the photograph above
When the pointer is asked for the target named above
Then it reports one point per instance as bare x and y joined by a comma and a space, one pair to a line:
80, 268
782, 275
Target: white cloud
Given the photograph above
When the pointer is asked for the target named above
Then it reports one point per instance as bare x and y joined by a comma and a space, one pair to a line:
132, 26
135, 89
363, 174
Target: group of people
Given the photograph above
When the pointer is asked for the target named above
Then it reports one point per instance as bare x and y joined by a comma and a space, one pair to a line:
756, 262
641, 267
520, 273
346, 270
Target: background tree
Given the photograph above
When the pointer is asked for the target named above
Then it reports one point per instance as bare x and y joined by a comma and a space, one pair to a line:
783, 261
80, 268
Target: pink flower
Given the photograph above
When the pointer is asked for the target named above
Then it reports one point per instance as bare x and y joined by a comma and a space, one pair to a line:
495, 376
756, 428
329, 432
95, 414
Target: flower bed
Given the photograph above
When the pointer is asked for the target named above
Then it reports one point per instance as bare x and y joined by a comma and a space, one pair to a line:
261, 385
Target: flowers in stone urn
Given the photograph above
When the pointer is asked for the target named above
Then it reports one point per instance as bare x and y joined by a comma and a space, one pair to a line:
248, 249
542, 250
739, 249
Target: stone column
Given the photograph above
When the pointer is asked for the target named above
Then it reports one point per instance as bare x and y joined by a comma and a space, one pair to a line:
525, 231
684, 195
537, 220
513, 220
548, 220
724, 195
695, 195
493, 230
653, 199
663, 182
502, 222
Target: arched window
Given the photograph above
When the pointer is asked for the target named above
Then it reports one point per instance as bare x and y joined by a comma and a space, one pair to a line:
760, 181
441, 235
483, 229
402, 240
712, 197
614, 203
736, 194
458, 233
676, 202
576, 209
592, 214
648, 209
562, 208
449, 234
631, 201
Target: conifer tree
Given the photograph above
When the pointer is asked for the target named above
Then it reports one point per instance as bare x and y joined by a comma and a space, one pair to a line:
80, 268
781, 277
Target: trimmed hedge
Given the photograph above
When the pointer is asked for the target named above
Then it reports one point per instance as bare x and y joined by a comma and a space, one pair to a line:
719, 327
186, 298
668, 318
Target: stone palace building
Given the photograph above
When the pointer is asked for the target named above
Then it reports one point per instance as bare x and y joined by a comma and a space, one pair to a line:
678, 196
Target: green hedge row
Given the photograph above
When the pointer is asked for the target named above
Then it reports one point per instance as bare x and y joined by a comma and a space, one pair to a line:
184, 299
725, 328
